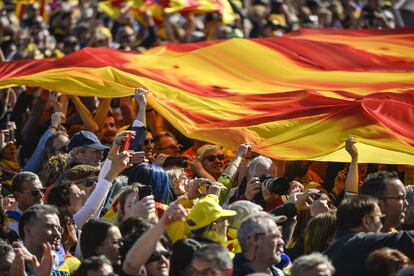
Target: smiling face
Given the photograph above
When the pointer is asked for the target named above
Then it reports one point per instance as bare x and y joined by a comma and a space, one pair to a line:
161, 264
46, 228
213, 162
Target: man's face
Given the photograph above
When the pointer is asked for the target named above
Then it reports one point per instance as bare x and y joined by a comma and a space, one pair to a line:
59, 145
88, 156
110, 246
393, 204
108, 131
218, 231
32, 193
202, 267
169, 146
270, 244
213, 163
45, 229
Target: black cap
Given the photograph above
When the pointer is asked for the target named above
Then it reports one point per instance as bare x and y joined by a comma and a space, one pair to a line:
86, 139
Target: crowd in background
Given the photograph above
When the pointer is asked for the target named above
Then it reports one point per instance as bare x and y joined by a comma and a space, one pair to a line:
57, 28
106, 186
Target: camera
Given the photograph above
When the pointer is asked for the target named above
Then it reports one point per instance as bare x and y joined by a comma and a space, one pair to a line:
277, 185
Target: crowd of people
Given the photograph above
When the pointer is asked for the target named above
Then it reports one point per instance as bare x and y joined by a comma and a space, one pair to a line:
98, 194
41, 29
107, 187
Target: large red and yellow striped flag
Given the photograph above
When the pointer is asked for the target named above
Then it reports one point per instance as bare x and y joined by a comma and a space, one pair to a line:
296, 97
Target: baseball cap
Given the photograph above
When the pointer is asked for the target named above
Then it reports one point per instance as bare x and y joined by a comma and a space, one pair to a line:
86, 139
206, 211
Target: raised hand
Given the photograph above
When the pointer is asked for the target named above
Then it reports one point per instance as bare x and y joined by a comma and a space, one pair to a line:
350, 147
253, 187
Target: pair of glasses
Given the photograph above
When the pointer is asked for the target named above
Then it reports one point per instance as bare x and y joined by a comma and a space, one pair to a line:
399, 198
58, 228
156, 256
212, 158
36, 192
88, 182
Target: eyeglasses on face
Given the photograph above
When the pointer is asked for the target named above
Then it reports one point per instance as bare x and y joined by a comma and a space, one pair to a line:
212, 158
35, 192
89, 182
156, 256
399, 198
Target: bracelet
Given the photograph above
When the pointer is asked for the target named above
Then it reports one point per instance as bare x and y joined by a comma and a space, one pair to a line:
110, 156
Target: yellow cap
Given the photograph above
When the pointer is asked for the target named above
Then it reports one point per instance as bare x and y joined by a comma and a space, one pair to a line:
206, 211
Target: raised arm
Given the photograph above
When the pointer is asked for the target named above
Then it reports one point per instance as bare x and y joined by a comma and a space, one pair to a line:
87, 118
145, 246
102, 112
351, 182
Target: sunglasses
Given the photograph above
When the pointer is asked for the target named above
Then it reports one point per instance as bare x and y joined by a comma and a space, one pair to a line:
212, 158
156, 256
88, 182
36, 192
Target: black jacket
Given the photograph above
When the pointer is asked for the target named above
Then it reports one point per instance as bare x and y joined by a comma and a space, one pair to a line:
350, 250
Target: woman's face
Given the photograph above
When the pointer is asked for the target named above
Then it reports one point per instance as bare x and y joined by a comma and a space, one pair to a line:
213, 163
110, 246
70, 237
159, 263
130, 200
76, 198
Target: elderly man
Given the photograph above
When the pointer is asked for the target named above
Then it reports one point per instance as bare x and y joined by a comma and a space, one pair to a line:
262, 246
85, 149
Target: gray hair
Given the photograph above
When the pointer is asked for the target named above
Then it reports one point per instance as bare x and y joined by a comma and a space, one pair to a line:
20, 178
6, 249
254, 224
409, 213
244, 208
32, 214
173, 172
305, 263
216, 254
257, 162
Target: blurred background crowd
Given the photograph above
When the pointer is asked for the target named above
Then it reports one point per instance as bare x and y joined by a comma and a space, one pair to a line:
44, 28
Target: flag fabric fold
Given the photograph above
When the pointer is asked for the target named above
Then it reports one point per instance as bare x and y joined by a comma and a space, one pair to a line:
295, 98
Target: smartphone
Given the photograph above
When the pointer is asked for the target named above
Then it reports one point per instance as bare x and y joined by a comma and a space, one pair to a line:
144, 191
176, 161
127, 142
136, 157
